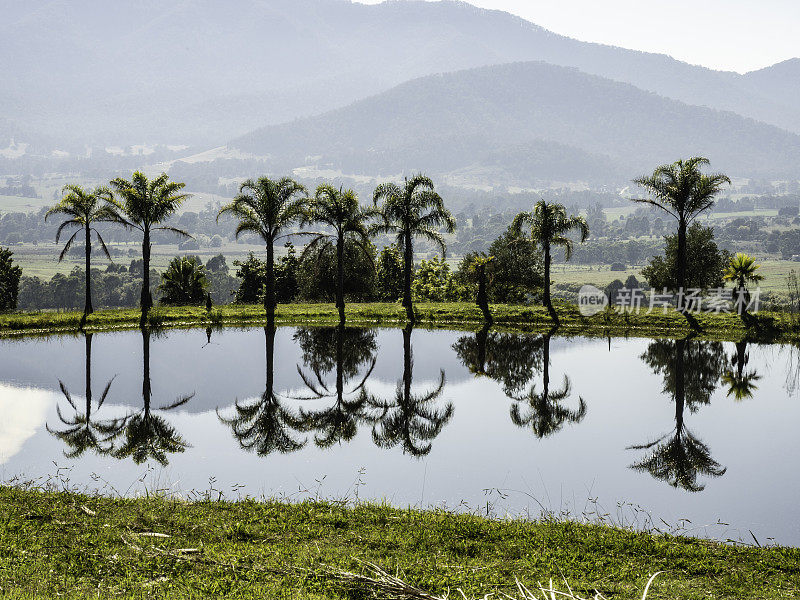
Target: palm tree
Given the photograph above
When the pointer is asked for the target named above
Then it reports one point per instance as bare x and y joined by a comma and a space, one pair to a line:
264, 426
145, 205
343, 351
545, 413
267, 208
184, 281
413, 210
84, 209
83, 431
741, 270
410, 420
549, 226
479, 267
690, 372
339, 210
683, 191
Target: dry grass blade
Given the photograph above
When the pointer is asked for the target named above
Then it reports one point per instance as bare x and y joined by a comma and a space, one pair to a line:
383, 583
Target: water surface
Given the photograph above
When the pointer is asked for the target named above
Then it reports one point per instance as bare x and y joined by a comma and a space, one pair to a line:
700, 434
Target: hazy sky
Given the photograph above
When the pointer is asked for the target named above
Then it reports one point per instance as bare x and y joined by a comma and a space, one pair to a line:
735, 35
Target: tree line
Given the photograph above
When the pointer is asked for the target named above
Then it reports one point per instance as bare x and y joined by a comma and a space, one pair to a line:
338, 258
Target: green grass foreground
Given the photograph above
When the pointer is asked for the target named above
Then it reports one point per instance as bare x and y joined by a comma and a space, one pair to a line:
454, 315
59, 544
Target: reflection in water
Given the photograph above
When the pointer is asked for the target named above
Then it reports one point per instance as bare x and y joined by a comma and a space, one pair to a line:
83, 431
740, 384
512, 360
146, 435
410, 420
508, 358
264, 425
544, 412
690, 370
344, 351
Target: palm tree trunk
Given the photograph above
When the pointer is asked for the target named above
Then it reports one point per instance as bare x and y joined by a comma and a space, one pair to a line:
680, 384
340, 277
681, 256
546, 366
269, 333
408, 267
88, 309
269, 295
146, 301
340, 363
547, 301
483, 300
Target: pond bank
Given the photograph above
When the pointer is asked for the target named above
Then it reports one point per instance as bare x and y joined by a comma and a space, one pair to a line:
767, 327
76, 546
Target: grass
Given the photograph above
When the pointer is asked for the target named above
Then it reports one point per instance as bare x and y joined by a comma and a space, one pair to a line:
62, 544
766, 327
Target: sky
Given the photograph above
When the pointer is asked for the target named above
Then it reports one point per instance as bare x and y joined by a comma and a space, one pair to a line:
731, 35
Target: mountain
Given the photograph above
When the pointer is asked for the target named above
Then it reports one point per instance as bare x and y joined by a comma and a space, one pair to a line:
781, 82
523, 123
202, 71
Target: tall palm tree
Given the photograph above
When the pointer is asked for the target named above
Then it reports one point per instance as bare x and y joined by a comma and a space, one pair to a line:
342, 351
741, 270
690, 371
412, 210
84, 432
545, 413
411, 420
267, 208
84, 209
339, 210
144, 205
265, 426
549, 226
683, 191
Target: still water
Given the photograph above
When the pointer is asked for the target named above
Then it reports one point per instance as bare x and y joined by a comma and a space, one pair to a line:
698, 436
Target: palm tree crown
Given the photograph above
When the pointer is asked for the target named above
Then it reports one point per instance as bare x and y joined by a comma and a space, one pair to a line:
742, 269
412, 210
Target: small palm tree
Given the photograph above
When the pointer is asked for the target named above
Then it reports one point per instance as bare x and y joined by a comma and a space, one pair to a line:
145, 205
84, 209
741, 270
339, 210
412, 210
683, 191
267, 208
184, 281
549, 226
479, 267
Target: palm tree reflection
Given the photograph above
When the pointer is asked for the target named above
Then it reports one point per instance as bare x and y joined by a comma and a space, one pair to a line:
84, 432
265, 426
690, 370
147, 435
544, 412
410, 420
345, 351
740, 383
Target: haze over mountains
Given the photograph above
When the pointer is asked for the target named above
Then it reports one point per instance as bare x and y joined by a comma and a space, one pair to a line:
202, 72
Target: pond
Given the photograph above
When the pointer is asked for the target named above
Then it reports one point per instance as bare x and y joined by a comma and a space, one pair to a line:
690, 436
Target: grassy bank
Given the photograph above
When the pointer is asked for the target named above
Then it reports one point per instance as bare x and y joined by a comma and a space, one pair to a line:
73, 546
765, 327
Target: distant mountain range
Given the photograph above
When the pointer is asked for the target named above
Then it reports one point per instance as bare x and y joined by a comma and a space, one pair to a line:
524, 123
203, 71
